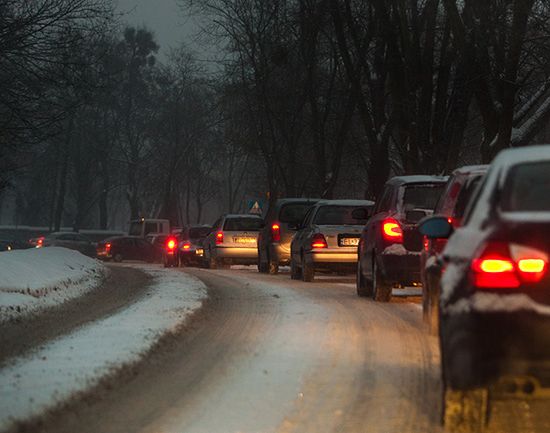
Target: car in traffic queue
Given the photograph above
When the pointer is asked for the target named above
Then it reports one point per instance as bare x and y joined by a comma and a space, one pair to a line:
71, 240
120, 248
159, 242
452, 204
191, 244
280, 224
495, 290
390, 244
327, 238
233, 240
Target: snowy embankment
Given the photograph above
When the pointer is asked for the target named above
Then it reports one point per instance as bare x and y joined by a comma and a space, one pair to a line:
33, 279
51, 375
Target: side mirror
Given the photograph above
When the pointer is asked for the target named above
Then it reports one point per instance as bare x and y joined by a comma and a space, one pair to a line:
360, 213
414, 216
436, 227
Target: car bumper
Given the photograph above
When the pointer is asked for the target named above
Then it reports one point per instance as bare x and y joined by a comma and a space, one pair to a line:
328, 256
237, 253
402, 268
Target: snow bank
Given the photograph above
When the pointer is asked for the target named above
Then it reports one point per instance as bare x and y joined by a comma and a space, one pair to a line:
38, 278
73, 363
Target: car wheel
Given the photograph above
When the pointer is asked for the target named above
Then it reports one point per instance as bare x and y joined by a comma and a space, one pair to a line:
295, 271
465, 411
262, 265
363, 288
431, 314
118, 257
381, 292
273, 267
212, 263
308, 271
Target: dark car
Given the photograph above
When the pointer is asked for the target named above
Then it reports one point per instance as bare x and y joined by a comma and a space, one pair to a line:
281, 221
495, 290
71, 240
390, 244
13, 244
158, 240
126, 248
191, 244
451, 204
327, 238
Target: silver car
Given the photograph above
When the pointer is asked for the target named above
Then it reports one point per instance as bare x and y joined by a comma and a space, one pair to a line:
233, 240
328, 237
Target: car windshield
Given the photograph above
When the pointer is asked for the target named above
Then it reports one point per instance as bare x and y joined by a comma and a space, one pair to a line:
337, 216
423, 196
242, 224
199, 232
293, 212
526, 188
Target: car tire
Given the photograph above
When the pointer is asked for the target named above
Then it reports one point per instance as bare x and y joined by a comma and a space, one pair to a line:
295, 271
262, 266
381, 291
465, 411
308, 272
118, 257
273, 267
363, 289
212, 263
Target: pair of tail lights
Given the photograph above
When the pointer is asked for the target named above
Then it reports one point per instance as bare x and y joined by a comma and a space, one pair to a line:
507, 266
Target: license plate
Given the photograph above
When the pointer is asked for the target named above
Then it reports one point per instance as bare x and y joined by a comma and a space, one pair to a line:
349, 242
199, 252
244, 240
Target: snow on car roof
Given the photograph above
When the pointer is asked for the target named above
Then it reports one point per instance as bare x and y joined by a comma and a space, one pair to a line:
418, 178
510, 157
345, 202
472, 169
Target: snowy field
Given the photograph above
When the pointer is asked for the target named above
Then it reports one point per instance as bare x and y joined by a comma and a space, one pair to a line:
34, 279
45, 378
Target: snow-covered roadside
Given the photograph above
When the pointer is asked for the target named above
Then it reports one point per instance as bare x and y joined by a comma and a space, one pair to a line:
73, 363
33, 279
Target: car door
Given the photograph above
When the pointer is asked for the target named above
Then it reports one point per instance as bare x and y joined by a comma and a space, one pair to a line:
143, 250
297, 244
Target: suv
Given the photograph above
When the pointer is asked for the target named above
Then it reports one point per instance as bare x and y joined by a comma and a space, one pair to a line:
281, 221
452, 205
390, 245
233, 240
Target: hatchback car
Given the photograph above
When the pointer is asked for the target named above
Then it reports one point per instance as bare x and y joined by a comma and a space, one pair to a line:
495, 289
390, 245
281, 221
121, 248
71, 240
451, 204
233, 240
327, 238
190, 246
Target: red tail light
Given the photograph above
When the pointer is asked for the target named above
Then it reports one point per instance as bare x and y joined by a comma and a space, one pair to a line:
426, 243
503, 266
186, 246
319, 241
107, 247
39, 242
171, 244
219, 238
391, 230
276, 232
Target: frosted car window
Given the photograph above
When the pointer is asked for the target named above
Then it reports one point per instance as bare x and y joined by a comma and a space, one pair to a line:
294, 212
240, 224
337, 215
422, 196
526, 188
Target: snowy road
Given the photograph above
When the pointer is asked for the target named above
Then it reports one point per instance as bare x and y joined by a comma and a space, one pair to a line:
268, 354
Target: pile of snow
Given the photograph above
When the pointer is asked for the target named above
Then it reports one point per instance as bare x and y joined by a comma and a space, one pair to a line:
37, 278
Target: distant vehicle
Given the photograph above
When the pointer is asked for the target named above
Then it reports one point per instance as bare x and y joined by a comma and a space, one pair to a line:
191, 244
143, 226
281, 222
451, 204
71, 240
12, 244
327, 238
170, 252
233, 240
122, 248
495, 297
390, 245
36, 242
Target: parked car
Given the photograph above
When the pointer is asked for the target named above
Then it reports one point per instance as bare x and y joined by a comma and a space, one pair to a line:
191, 244
121, 248
233, 240
451, 204
495, 297
390, 244
71, 240
13, 244
327, 238
281, 221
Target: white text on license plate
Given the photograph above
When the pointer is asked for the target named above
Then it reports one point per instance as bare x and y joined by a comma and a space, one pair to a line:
244, 240
349, 242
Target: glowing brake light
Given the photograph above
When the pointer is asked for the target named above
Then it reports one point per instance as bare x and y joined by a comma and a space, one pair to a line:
186, 246
39, 242
171, 244
319, 241
391, 230
107, 247
219, 238
276, 232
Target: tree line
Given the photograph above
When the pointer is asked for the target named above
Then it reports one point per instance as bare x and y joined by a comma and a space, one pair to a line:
322, 98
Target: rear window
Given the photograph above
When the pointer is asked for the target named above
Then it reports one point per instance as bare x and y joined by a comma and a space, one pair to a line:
465, 195
526, 188
199, 232
243, 224
336, 215
293, 212
422, 196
